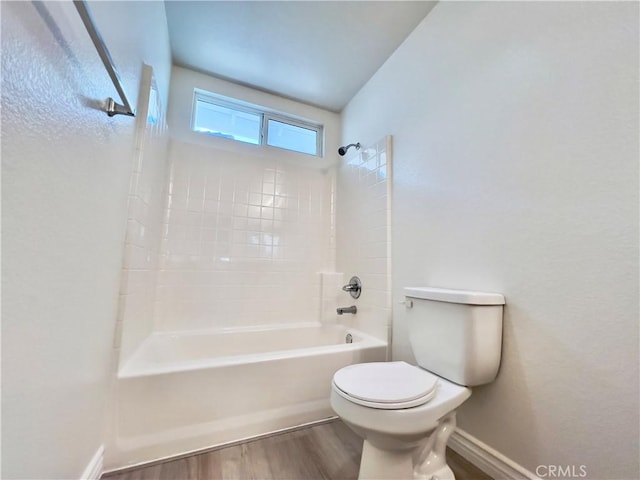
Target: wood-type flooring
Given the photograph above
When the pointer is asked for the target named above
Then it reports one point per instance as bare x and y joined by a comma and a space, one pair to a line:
328, 451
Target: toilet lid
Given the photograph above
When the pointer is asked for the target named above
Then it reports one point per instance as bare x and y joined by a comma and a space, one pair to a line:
388, 385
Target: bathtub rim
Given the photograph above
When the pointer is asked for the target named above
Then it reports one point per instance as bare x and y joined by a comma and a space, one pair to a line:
367, 341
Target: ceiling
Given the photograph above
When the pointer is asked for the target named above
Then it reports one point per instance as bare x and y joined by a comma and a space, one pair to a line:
316, 52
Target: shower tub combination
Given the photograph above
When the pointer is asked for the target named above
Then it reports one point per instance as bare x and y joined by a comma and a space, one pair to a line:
184, 392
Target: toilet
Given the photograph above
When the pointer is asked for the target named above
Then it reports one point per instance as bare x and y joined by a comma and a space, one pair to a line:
406, 413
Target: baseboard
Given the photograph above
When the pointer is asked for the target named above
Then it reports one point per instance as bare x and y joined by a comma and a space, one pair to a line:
490, 461
93, 471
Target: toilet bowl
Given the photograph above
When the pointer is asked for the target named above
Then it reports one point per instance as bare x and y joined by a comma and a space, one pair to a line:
398, 430
405, 414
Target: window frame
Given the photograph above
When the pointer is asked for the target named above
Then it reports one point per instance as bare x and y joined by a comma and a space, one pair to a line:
265, 115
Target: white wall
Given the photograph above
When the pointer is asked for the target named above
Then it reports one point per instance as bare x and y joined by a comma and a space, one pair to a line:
65, 178
516, 170
246, 228
183, 82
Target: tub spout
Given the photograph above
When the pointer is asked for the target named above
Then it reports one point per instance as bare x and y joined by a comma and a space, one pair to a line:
351, 309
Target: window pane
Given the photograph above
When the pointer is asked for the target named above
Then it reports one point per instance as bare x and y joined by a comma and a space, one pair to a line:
227, 122
292, 137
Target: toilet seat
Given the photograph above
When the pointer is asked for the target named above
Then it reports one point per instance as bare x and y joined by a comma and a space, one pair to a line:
385, 385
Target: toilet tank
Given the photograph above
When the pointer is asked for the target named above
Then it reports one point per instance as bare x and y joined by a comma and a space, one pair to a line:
456, 334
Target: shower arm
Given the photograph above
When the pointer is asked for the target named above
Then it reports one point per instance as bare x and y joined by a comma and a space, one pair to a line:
342, 151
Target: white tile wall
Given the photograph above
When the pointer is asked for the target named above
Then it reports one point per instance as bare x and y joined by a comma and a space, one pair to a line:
331, 286
364, 234
243, 240
142, 241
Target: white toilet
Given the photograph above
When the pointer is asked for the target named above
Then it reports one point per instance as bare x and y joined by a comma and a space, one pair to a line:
406, 413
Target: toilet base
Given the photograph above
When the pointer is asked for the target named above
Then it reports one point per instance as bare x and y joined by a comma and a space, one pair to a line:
377, 464
427, 462
445, 473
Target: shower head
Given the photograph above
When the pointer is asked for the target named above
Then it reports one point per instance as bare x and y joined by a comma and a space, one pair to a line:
343, 150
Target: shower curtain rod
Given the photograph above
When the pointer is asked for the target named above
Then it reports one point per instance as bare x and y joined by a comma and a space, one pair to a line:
112, 107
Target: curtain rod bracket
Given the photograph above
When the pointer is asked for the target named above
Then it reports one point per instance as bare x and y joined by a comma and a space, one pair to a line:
112, 107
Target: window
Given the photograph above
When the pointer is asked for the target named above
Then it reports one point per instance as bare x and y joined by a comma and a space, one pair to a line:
225, 118
292, 137
227, 122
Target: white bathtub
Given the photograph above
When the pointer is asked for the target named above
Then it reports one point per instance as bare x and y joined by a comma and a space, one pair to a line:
192, 391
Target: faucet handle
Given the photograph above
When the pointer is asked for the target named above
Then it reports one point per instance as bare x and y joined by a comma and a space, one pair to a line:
354, 287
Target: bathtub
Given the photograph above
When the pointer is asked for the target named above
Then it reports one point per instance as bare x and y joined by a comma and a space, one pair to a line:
184, 392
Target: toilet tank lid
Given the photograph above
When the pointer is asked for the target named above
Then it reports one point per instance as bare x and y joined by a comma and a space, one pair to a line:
454, 296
